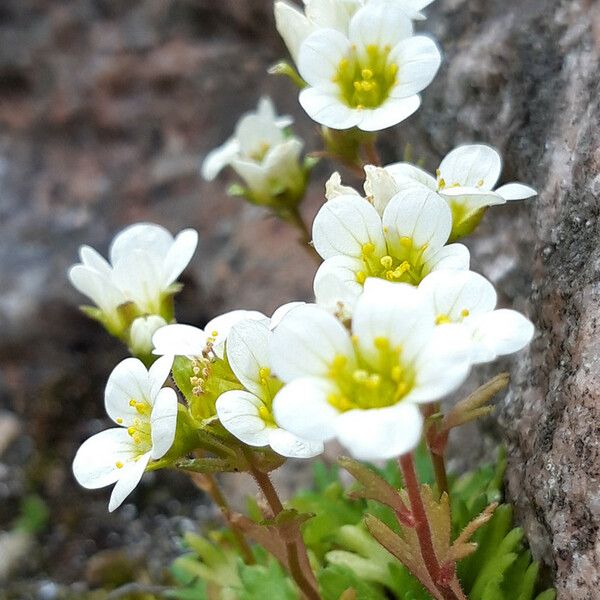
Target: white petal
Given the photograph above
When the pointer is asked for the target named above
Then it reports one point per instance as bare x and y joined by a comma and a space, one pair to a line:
141, 332
98, 287
443, 365
289, 445
405, 172
163, 422
390, 113
306, 342
380, 187
219, 158
238, 412
219, 327
452, 257
179, 340
139, 276
394, 312
302, 408
179, 256
501, 332
255, 176
254, 133
248, 352
420, 215
335, 284
91, 258
382, 433
380, 25
130, 476
283, 310
516, 191
158, 374
331, 13
458, 294
148, 237
418, 59
475, 165
282, 161
320, 56
128, 381
95, 464
325, 107
334, 188
292, 26
344, 225
472, 198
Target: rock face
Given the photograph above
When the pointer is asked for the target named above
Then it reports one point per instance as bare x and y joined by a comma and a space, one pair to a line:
107, 108
523, 76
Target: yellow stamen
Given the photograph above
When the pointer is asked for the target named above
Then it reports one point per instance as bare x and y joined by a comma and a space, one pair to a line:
119, 420
443, 320
361, 277
119, 465
464, 313
368, 248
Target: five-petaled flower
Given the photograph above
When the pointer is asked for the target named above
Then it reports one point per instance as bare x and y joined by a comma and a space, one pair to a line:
265, 156
467, 300
146, 414
403, 244
365, 387
295, 25
466, 179
371, 77
145, 262
248, 413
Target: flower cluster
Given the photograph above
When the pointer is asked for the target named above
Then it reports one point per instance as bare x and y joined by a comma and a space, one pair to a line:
399, 319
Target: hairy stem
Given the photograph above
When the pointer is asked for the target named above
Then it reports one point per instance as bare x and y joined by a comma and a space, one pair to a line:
208, 483
422, 526
298, 563
437, 459
294, 218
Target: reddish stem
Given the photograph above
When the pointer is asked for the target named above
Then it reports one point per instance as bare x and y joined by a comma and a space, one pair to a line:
437, 457
422, 527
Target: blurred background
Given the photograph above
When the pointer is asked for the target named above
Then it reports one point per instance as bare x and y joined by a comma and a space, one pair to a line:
107, 109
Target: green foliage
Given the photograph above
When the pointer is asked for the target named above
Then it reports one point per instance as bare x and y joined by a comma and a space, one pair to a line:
34, 515
346, 557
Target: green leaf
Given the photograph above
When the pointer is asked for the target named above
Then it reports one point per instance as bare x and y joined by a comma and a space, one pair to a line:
260, 582
336, 579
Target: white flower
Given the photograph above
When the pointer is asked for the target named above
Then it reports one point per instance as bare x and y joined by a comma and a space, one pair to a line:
466, 179
145, 262
468, 300
147, 417
365, 387
186, 340
295, 25
405, 244
370, 77
247, 414
140, 335
263, 154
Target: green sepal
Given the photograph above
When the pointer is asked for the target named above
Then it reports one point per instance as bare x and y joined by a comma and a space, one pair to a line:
464, 222
285, 69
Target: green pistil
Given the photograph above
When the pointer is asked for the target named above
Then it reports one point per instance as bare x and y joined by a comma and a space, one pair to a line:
406, 265
366, 81
360, 387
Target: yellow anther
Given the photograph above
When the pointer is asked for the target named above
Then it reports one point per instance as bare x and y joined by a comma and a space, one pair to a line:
464, 313
387, 262
119, 421
360, 107
214, 333
358, 86
381, 343
338, 363
132, 402
368, 248
402, 268
137, 439
406, 242
443, 320
264, 374
265, 414
480, 183
360, 376
402, 388
119, 465
142, 408
397, 373
441, 183
393, 69
361, 277
131, 431
340, 402
367, 74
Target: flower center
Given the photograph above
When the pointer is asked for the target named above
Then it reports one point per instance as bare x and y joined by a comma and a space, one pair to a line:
270, 386
406, 265
362, 387
366, 81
